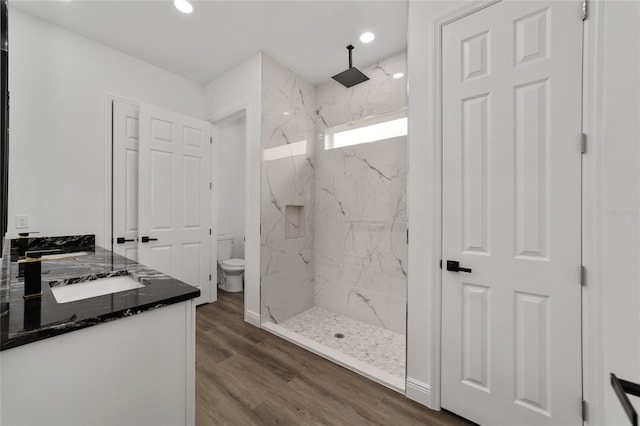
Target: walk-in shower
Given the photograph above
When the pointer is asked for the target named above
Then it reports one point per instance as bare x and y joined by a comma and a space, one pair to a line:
334, 229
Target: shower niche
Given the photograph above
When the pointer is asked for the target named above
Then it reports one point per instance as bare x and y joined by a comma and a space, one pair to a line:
294, 221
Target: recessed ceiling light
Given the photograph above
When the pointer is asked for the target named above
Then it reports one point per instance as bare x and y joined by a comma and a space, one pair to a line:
367, 37
183, 6
398, 75
286, 113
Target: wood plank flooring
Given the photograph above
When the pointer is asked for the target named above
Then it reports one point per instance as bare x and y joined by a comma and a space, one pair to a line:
246, 376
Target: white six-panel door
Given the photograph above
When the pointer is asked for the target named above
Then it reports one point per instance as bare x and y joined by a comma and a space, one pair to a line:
174, 201
125, 178
511, 334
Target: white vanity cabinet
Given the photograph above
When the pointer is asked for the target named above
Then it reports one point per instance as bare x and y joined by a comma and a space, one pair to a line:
137, 370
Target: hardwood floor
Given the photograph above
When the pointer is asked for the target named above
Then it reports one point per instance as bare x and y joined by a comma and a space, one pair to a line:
247, 376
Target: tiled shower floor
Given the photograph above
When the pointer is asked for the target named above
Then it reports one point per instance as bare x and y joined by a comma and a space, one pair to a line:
372, 346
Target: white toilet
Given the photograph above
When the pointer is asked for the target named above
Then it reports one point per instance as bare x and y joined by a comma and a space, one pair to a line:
230, 271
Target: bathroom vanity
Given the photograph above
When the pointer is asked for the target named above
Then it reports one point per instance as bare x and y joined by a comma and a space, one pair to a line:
74, 358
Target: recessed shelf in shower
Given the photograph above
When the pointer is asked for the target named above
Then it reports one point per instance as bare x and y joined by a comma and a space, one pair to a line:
294, 221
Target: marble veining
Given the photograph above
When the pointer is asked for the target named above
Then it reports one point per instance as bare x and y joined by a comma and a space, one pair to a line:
360, 242
25, 321
351, 257
85, 278
287, 261
373, 345
336, 105
67, 243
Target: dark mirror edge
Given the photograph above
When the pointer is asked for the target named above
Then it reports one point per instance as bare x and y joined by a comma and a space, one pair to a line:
4, 120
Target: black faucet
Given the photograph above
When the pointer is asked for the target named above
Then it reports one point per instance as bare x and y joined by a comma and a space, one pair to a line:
23, 243
24, 238
33, 270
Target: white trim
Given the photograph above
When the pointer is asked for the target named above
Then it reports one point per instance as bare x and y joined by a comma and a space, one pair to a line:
436, 307
418, 391
190, 403
364, 369
249, 227
108, 148
229, 113
252, 318
593, 381
213, 201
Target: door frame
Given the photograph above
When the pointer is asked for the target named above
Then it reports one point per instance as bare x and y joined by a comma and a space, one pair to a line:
593, 382
252, 263
436, 308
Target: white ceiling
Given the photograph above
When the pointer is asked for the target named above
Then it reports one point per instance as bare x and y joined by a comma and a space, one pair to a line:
309, 37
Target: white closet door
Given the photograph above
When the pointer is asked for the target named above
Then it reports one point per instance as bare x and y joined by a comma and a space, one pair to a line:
174, 199
511, 336
125, 178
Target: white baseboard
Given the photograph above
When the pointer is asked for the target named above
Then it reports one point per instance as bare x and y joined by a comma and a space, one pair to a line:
418, 391
252, 318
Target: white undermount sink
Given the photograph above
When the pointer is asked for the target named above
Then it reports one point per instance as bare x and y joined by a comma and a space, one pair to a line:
94, 288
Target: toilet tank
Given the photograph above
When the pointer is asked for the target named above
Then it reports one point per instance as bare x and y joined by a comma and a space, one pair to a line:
225, 246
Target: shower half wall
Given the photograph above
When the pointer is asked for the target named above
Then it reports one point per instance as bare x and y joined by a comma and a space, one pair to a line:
287, 194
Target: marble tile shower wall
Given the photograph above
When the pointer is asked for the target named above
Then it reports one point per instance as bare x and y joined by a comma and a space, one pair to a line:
360, 222
287, 210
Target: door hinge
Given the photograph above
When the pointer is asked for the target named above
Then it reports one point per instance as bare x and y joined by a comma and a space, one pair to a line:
407, 235
585, 411
583, 276
209, 277
585, 9
209, 231
211, 139
210, 185
583, 143
440, 263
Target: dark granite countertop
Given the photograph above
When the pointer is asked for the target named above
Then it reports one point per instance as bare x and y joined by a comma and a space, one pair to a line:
26, 321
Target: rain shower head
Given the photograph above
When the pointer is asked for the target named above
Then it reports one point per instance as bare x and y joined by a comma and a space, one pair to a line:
351, 76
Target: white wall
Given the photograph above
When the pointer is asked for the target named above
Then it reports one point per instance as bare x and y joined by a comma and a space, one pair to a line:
616, 145
237, 90
58, 83
230, 182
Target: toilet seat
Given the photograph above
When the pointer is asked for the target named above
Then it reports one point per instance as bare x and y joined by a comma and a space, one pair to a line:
232, 264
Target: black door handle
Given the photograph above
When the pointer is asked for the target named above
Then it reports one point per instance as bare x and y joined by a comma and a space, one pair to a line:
147, 239
454, 266
122, 240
